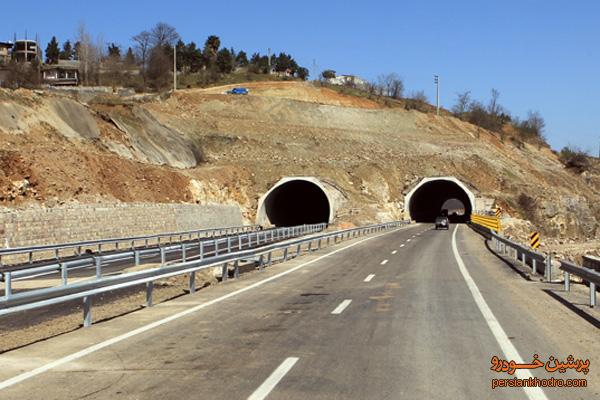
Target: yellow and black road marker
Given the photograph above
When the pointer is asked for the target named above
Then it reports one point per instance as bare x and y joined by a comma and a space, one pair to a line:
534, 240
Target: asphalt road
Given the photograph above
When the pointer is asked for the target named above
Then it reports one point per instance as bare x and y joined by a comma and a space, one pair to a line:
398, 316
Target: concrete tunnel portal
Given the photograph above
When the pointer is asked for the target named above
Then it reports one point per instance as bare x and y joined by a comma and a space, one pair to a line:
296, 201
434, 196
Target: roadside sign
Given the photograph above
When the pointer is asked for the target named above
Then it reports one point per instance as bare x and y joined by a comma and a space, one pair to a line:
534, 240
498, 211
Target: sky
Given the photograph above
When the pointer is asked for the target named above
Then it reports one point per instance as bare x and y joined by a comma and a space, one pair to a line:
540, 55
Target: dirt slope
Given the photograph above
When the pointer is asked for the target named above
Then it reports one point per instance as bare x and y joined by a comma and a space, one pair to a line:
203, 145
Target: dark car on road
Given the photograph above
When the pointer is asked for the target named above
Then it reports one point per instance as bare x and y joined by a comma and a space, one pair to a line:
442, 222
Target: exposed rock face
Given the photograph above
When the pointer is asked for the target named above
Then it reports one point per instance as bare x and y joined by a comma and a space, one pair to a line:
204, 146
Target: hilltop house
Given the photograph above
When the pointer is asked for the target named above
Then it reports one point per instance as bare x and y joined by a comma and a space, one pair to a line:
65, 73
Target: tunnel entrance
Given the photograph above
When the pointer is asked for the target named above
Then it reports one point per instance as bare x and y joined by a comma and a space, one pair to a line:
297, 202
437, 196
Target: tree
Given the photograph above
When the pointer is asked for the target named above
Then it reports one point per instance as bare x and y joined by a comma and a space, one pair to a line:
114, 52
242, 59
142, 46
328, 74
52, 51
88, 55
419, 96
129, 58
462, 103
224, 61
211, 48
302, 73
159, 69
391, 85
76, 49
494, 106
67, 51
163, 34
284, 63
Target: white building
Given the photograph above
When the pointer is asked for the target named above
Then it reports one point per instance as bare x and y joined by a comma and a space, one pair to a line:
348, 80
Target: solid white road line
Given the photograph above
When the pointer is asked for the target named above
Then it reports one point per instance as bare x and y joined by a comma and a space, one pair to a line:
267, 387
99, 346
340, 309
369, 278
384, 262
509, 350
394, 252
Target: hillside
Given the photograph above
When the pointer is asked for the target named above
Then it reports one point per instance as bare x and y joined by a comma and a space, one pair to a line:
203, 146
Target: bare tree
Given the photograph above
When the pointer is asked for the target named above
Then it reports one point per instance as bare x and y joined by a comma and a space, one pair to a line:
419, 96
163, 34
536, 122
84, 52
142, 49
462, 103
390, 85
494, 106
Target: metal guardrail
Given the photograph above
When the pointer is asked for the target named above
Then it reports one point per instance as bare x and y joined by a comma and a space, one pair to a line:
205, 248
34, 299
130, 241
528, 256
539, 262
587, 274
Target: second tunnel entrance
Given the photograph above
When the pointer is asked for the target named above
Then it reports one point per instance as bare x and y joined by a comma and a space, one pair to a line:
435, 196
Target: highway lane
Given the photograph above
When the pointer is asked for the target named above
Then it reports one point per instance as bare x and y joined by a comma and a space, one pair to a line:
348, 326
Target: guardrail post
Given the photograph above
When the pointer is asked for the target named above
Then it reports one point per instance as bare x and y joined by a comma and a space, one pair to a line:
216, 245
149, 293
270, 259
592, 294
7, 285
136, 256
87, 311
236, 269
548, 269
98, 261
224, 272
285, 254
524, 258
192, 282
260, 263
567, 281
162, 256
228, 244
534, 266
183, 252
328, 238
309, 246
240, 236
298, 249
56, 254
202, 250
319, 244
63, 273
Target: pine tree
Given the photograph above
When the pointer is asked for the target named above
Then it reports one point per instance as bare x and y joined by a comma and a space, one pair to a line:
224, 61
52, 51
67, 51
242, 59
129, 58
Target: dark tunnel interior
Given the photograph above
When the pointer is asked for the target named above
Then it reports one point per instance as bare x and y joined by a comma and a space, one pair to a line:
296, 203
430, 199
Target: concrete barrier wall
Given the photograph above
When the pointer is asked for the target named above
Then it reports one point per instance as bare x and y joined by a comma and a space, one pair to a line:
76, 222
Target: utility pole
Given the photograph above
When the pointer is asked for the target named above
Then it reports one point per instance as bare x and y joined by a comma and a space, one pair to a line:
175, 68
436, 79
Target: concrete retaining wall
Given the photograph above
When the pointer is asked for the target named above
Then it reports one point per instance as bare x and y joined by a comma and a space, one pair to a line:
76, 222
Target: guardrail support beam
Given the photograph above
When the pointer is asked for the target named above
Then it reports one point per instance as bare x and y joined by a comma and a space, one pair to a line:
192, 282
149, 293
592, 294
87, 311
567, 281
